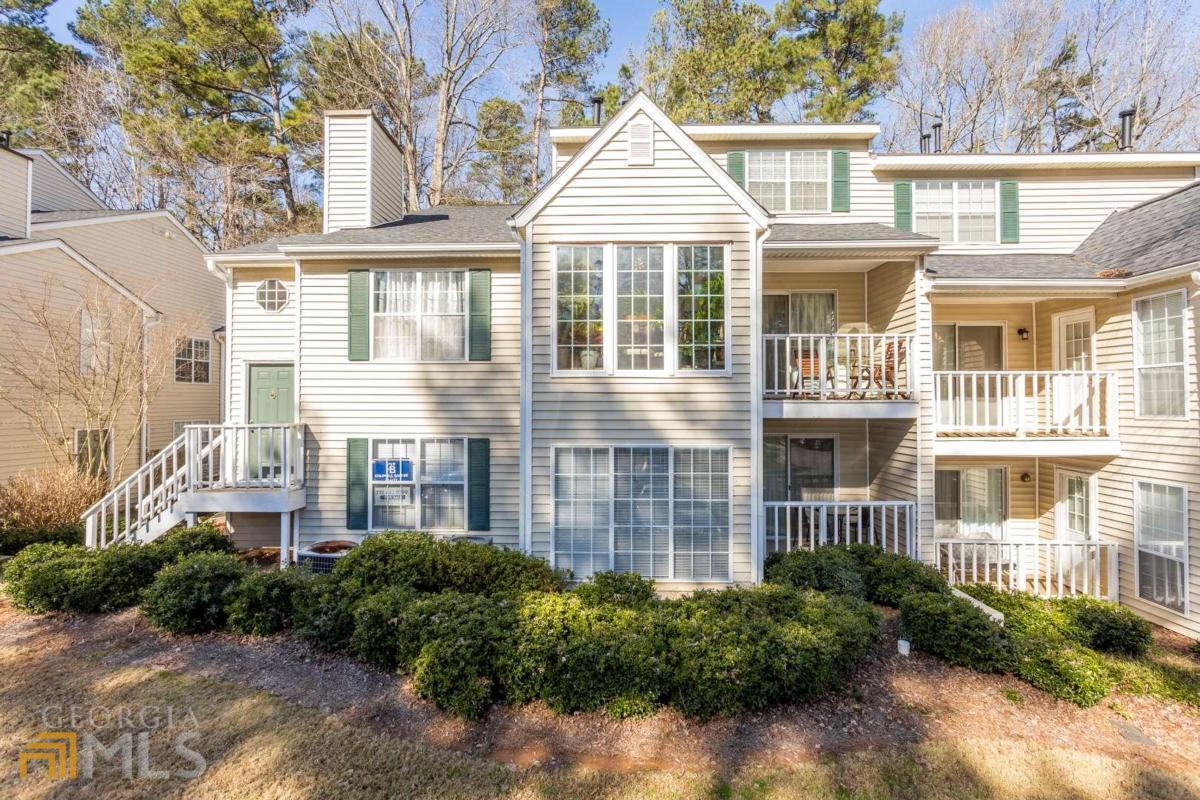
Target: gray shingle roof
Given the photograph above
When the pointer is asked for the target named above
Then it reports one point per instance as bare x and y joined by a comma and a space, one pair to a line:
83, 213
438, 225
843, 232
1019, 266
1158, 234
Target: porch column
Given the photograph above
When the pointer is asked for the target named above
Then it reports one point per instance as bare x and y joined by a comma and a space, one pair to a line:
285, 538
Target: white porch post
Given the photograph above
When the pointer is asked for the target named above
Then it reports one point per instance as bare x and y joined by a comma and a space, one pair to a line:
190, 519
285, 536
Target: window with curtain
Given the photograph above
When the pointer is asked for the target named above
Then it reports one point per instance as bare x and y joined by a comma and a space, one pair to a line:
945, 348
701, 514
1161, 532
419, 315
701, 307
970, 502
642, 510
579, 315
1159, 354
641, 306
813, 312
812, 468
582, 521
789, 180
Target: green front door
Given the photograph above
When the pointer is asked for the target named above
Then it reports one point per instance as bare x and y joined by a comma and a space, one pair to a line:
271, 403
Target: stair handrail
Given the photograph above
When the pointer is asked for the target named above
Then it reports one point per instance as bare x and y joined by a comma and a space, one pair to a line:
157, 462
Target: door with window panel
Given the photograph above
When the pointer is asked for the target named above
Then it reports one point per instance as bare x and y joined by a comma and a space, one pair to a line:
1072, 393
970, 503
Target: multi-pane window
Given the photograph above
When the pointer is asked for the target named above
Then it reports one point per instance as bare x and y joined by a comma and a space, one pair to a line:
701, 314
431, 495
701, 514
95, 342
443, 478
789, 180
271, 295
579, 315
419, 315
659, 511
955, 211
582, 520
93, 451
641, 306
393, 498
1075, 495
641, 510
192, 360
1159, 350
1161, 531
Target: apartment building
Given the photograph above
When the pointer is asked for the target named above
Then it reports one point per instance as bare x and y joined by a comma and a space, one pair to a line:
701, 344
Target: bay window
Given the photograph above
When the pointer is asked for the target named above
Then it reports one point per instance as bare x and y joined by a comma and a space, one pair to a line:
419, 315
956, 211
1159, 353
789, 180
1161, 535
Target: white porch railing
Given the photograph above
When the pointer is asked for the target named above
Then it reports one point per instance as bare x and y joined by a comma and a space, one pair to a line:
854, 366
1044, 567
1026, 403
890, 524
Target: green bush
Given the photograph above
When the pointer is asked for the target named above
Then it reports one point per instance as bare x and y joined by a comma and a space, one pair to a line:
1107, 627
575, 655
38, 578
424, 564
323, 612
262, 602
112, 578
953, 629
890, 577
376, 637
826, 569
192, 594
626, 589
14, 540
182, 542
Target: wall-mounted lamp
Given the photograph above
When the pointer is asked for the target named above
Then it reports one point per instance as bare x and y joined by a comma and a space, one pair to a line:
1026, 477
1023, 333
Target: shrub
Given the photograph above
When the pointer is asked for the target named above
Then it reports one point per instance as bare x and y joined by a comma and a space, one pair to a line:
112, 578
38, 578
1107, 627
46, 499
826, 569
192, 594
626, 589
953, 629
376, 637
14, 540
323, 612
890, 577
261, 604
183, 542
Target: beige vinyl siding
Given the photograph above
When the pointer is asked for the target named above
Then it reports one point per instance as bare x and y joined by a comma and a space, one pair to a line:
26, 280
347, 171
167, 271
673, 201
892, 466
850, 288
1152, 449
340, 399
892, 298
55, 191
257, 336
850, 459
1018, 354
14, 195
387, 177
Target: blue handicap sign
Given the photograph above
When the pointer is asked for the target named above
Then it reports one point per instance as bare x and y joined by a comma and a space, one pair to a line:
391, 469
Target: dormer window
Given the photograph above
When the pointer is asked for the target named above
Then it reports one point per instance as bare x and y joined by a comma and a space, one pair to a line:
641, 142
795, 181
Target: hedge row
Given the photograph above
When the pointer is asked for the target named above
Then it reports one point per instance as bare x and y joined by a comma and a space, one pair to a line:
860, 570
14, 540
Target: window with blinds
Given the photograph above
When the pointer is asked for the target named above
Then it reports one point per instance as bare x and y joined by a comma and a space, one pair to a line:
1161, 533
1159, 353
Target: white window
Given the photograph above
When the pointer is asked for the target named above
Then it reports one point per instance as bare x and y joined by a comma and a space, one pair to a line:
654, 510
95, 342
419, 315
1159, 352
1161, 534
971, 502
93, 451
789, 180
192, 360
271, 295
956, 211
667, 305
430, 496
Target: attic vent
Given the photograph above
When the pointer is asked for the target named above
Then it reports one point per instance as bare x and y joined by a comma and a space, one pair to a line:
641, 142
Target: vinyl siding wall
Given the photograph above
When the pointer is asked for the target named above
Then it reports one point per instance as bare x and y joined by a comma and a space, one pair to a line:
387, 177
1018, 354
673, 201
54, 191
347, 172
14, 195
256, 336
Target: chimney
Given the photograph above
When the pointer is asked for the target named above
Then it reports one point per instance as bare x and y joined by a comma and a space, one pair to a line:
924, 143
936, 127
1126, 117
597, 109
6, 139
364, 172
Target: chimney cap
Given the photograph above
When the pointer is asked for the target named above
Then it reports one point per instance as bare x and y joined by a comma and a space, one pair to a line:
597, 108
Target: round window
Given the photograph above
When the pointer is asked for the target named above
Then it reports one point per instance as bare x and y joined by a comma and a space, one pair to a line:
272, 295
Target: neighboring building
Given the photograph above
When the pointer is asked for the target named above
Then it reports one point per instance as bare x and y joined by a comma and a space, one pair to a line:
57, 239
700, 344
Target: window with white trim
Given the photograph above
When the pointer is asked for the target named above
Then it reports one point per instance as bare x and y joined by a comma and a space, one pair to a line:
789, 180
1161, 534
271, 295
641, 308
419, 315
433, 498
180, 425
956, 211
193, 360
579, 308
1159, 353
95, 342
659, 511
701, 310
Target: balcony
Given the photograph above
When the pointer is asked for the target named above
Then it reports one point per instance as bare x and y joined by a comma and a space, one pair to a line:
1044, 567
795, 525
1025, 413
850, 376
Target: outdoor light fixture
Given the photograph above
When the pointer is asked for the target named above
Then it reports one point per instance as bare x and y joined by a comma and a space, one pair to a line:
1023, 333
1026, 477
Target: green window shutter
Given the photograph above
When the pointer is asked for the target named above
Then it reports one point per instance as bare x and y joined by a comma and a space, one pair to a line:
356, 484
480, 327
479, 485
902, 204
735, 165
841, 180
358, 283
1010, 212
